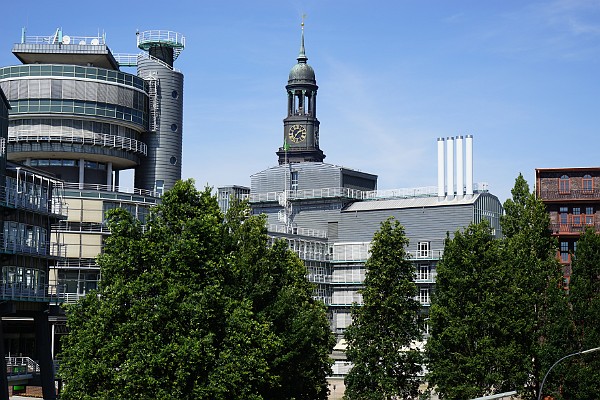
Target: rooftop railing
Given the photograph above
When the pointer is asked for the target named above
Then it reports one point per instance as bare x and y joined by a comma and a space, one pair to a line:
65, 39
342, 192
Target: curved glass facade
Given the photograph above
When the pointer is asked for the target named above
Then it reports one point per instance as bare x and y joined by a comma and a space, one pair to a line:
79, 107
75, 71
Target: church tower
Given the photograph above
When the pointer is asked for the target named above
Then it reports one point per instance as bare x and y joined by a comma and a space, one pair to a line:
301, 126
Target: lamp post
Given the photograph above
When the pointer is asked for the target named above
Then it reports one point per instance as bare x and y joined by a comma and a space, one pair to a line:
567, 356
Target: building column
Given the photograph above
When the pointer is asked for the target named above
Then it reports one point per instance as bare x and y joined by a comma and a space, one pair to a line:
44, 353
109, 172
81, 172
117, 181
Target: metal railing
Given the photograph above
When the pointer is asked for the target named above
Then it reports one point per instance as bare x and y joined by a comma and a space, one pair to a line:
146, 56
21, 366
109, 188
87, 263
297, 231
12, 245
96, 227
176, 40
570, 195
347, 193
95, 139
70, 298
558, 228
19, 291
65, 39
126, 59
11, 197
425, 254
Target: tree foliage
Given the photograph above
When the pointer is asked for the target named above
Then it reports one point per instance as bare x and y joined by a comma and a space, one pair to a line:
499, 314
540, 304
470, 351
578, 378
379, 340
196, 306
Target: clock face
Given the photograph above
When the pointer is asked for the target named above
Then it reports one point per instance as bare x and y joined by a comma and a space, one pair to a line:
297, 133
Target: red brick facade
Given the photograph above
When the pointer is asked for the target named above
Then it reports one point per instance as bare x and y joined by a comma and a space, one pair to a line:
572, 198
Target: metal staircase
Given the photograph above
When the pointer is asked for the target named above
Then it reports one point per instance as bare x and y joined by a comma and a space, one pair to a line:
154, 106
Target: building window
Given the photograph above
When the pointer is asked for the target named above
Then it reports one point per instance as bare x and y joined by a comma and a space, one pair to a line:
564, 215
564, 252
589, 215
576, 216
588, 184
424, 296
423, 249
564, 184
294, 180
423, 272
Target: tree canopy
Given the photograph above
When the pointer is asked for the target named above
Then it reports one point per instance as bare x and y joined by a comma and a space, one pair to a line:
499, 316
470, 351
196, 305
384, 329
579, 377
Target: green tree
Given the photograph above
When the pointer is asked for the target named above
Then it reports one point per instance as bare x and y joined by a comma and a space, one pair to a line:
196, 306
540, 316
471, 351
385, 365
579, 377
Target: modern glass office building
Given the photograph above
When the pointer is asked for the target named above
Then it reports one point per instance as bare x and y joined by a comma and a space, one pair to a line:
78, 115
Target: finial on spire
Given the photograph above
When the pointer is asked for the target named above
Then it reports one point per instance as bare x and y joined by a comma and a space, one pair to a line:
302, 56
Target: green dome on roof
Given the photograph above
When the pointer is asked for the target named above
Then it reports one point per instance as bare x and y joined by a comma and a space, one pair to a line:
302, 72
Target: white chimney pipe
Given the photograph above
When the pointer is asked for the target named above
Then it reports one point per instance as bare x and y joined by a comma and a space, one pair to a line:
469, 164
459, 167
450, 166
441, 181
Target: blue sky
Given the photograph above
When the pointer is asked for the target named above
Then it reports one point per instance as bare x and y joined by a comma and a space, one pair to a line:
521, 77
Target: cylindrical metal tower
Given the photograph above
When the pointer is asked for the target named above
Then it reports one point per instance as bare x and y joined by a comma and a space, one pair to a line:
162, 166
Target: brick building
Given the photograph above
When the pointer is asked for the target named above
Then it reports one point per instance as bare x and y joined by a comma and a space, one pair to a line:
572, 198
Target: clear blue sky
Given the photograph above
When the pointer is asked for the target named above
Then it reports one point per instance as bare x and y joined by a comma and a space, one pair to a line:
393, 76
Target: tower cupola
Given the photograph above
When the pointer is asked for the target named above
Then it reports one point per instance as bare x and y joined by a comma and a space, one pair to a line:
301, 126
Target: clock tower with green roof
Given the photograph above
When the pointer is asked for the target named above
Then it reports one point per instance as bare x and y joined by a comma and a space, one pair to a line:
301, 126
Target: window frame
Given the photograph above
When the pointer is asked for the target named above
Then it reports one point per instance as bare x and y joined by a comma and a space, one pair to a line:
564, 184
587, 183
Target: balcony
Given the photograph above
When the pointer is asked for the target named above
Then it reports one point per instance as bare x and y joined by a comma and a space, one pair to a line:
572, 229
12, 245
572, 195
24, 292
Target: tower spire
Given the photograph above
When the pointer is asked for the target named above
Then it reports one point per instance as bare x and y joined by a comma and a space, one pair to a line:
302, 56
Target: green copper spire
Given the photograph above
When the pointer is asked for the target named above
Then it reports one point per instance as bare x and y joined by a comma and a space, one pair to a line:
302, 56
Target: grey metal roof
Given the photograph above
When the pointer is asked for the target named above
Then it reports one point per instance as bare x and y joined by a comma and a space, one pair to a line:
413, 202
